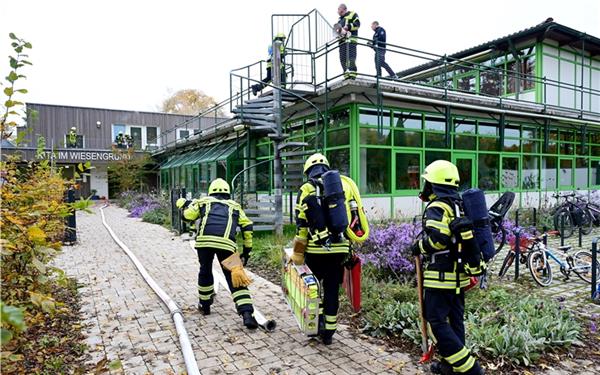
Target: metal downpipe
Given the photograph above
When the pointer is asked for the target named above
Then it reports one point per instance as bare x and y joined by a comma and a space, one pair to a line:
184, 340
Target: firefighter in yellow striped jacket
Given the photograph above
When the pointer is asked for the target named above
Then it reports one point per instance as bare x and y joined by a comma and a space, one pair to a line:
219, 218
446, 235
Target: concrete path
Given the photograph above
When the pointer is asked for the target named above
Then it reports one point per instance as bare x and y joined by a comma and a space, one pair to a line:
126, 321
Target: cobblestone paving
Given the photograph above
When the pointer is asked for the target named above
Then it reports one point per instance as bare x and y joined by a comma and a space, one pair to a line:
126, 320
574, 292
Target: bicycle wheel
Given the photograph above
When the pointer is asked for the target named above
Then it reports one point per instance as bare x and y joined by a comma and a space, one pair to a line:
506, 263
586, 222
582, 263
594, 210
539, 267
565, 213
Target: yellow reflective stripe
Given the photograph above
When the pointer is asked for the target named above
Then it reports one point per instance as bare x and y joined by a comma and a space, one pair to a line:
216, 245
204, 219
239, 293
457, 356
330, 327
449, 211
466, 366
209, 288
331, 318
229, 221
247, 238
245, 301
204, 297
447, 275
435, 245
442, 227
435, 284
467, 235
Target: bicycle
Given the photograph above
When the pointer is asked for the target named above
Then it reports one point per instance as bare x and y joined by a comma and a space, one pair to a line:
525, 247
593, 210
570, 215
539, 263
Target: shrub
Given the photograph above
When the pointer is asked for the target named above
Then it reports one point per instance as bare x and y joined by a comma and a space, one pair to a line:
158, 215
140, 203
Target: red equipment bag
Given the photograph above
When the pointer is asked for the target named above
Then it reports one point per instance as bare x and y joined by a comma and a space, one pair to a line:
352, 282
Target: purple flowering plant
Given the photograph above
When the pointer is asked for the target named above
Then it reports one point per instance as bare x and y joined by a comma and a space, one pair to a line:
388, 248
139, 203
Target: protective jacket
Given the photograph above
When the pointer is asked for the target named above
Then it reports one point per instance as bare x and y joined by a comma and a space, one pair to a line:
219, 220
270, 60
379, 38
439, 244
351, 20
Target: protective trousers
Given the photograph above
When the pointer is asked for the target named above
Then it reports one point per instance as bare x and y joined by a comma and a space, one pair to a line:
444, 311
329, 271
241, 296
259, 86
380, 62
348, 58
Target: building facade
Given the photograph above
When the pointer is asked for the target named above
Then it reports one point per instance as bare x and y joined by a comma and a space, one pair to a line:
74, 135
520, 113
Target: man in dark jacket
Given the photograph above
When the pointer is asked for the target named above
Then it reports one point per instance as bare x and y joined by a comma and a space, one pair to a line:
379, 45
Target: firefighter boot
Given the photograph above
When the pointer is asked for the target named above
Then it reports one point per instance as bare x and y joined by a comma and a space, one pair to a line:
441, 367
204, 306
249, 320
327, 337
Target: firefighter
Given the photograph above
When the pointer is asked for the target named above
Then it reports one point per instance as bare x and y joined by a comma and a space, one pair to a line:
347, 28
447, 234
259, 86
219, 217
324, 252
72, 137
379, 45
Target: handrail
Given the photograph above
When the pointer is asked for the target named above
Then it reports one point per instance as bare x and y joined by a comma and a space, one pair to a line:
244, 171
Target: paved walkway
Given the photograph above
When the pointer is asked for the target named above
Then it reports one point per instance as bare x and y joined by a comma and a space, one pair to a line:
126, 321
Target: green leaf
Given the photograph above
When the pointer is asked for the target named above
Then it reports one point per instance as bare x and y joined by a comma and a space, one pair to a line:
12, 77
8, 91
48, 306
13, 316
26, 62
13, 36
27, 45
38, 265
19, 49
5, 336
22, 91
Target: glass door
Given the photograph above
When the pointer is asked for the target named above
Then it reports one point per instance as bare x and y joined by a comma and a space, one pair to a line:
565, 173
136, 135
510, 174
466, 170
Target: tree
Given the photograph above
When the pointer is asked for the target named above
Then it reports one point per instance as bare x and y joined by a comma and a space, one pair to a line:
188, 102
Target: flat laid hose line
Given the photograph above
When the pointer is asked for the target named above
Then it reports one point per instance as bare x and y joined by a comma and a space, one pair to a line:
184, 340
264, 323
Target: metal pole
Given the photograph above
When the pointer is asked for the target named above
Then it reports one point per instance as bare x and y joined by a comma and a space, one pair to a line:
517, 253
580, 236
278, 177
594, 269
562, 230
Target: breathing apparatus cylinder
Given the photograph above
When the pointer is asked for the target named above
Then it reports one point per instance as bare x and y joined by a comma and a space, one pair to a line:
476, 210
334, 201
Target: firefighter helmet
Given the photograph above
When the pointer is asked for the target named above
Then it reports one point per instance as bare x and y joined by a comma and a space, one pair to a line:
279, 36
218, 186
315, 159
442, 172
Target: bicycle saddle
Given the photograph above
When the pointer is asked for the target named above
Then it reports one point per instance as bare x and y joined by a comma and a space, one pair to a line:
565, 248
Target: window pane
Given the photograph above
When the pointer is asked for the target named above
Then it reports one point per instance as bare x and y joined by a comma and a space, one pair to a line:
116, 129
491, 82
151, 135
435, 124
488, 171
408, 138
408, 170
549, 166
375, 170
529, 133
489, 144
435, 140
464, 126
467, 83
595, 173
512, 132
370, 117
566, 172
338, 137
408, 121
465, 142
488, 130
530, 172
435, 135
340, 160
370, 136
339, 119
465, 172
530, 146
510, 173
581, 173
511, 145
431, 156
136, 135
567, 148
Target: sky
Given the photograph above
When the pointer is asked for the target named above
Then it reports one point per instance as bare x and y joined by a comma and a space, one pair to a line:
131, 55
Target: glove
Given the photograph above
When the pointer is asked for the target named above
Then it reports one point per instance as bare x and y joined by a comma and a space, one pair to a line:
415, 249
180, 203
239, 279
246, 254
297, 258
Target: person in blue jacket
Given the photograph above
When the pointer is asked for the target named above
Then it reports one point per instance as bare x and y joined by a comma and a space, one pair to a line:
379, 45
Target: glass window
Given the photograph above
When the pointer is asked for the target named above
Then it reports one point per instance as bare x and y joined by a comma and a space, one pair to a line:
595, 173
488, 130
465, 172
581, 173
489, 144
431, 156
435, 135
371, 116
371, 136
406, 138
530, 172
488, 171
512, 132
151, 135
262, 150
116, 129
339, 119
530, 133
375, 170
464, 126
566, 172
548, 178
491, 82
408, 120
340, 160
524, 77
338, 137
467, 83
408, 171
465, 142
511, 145
510, 173
567, 148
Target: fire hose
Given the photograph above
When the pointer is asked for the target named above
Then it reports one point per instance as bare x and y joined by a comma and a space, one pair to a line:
184, 340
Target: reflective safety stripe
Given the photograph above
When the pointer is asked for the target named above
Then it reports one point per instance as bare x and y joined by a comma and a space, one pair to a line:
449, 211
435, 245
239, 293
343, 247
457, 356
467, 235
330, 327
442, 227
331, 318
436, 284
205, 297
204, 219
205, 289
430, 274
466, 366
245, 301
229, 221
217, 242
